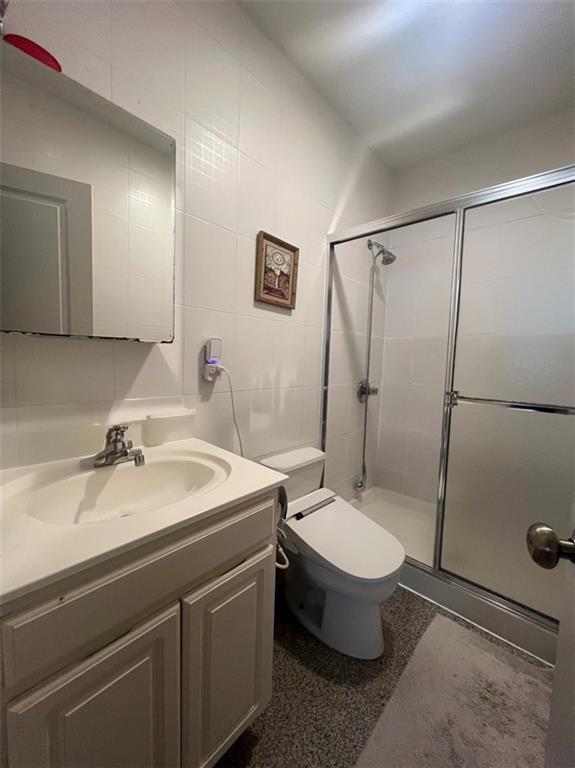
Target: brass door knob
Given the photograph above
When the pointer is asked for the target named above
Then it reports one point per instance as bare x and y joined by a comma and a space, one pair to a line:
546, 548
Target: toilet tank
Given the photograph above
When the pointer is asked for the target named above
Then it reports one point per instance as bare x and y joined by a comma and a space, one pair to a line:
304, 467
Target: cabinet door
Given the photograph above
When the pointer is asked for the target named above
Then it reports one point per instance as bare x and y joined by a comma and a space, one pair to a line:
118, 708
227, 646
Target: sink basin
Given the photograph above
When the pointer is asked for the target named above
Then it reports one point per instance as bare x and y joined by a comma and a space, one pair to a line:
90, 496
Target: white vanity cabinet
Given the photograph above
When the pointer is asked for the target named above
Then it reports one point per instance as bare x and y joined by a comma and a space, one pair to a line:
119, 708
227, 658
160, 657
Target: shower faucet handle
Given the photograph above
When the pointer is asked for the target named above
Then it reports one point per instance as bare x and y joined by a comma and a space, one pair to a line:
365, 389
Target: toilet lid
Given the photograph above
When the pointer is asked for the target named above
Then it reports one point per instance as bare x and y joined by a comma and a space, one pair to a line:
348, 541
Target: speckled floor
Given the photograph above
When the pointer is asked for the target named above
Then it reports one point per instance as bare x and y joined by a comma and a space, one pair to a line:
326, 705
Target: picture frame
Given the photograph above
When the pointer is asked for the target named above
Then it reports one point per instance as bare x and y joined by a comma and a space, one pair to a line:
276, 271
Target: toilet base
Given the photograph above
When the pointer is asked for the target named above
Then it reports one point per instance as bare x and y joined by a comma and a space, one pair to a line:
348, 625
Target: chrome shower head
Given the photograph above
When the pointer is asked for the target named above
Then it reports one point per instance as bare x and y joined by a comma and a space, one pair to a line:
377, 250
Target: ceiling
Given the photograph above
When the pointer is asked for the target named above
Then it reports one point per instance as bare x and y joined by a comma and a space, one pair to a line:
418, 79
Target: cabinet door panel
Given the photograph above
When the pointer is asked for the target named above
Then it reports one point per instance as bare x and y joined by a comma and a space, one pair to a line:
227, 657
117, 709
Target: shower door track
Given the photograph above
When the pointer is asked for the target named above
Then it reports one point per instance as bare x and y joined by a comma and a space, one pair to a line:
457, 206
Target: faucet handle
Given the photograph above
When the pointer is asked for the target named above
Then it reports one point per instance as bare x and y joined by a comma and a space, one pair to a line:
116, 433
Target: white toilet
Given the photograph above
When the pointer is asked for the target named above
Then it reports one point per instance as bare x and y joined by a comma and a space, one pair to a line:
342, 564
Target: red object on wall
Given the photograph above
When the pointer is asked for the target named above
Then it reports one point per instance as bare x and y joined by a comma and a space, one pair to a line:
34, 50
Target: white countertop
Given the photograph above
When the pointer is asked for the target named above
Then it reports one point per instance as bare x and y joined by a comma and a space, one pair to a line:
35, 553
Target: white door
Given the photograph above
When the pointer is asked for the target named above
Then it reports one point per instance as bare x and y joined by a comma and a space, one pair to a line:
550, 552
118, 708
46, 280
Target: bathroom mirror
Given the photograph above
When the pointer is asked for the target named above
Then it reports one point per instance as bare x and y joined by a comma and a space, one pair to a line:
86, 211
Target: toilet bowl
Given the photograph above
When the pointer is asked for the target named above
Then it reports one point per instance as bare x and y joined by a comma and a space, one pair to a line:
342, 564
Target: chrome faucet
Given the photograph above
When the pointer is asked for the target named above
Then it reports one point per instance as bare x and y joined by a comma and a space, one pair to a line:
117, 449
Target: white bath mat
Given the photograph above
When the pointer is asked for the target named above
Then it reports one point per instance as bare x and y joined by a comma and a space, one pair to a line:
462, 702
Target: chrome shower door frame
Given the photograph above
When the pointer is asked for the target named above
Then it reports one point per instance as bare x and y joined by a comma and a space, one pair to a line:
457, 206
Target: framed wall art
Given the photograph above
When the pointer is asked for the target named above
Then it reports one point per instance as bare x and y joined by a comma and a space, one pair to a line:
276, 271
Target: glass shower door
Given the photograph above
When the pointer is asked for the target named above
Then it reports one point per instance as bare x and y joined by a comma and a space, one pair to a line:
512, 442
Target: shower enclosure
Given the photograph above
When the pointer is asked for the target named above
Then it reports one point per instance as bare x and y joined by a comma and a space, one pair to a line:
449, 384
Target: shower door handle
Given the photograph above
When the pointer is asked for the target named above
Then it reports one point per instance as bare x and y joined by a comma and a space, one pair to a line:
546, 548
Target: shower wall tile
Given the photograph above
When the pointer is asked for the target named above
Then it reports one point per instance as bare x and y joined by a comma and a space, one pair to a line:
397, 362
400, 314
559, 200
425, 409
394, 405
522, 367
416, 302
422, 466
482, 216
442, 226
407, 268
535, 304
347, 357
392, 454
428, 362
517, 314
337, 460
539, 244
432, 311
480, 254
339, 410
376, 367
344, 294
353, 260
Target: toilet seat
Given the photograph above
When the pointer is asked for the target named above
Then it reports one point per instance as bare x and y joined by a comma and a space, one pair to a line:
345, 540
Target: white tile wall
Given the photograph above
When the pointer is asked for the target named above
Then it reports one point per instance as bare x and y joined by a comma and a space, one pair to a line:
416, 324
256, 148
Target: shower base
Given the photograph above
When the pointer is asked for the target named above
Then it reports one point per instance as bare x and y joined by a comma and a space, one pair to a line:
410, 520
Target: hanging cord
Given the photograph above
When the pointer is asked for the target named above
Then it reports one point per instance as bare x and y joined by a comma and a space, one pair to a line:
225, 370
283, 565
